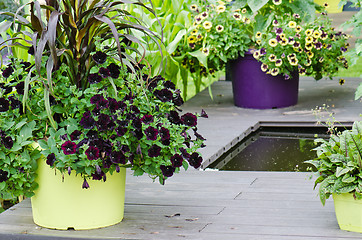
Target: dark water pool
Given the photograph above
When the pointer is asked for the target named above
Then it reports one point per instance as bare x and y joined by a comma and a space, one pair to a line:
272, 149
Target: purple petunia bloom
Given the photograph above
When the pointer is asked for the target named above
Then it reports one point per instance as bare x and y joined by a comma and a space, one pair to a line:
167, 171
279, 31
121, 131
102, 103
262, 51
185, 154
189, 119
203, 114
147, 119
8, 142
75, 135
104, 122
176, 160
92, 134
177, 100
104, 72
31, 50
164, 95
87, 121
195, 160
99, 176
69, 147
99, 57
117, 158
96, 98
50, 159
174, 117
4, 105
94, 78
169, 84
14, 103
113, 70
92, 153
85, 184
136, 123
154, 151
151, 133
8, 71
113, 105
3, 175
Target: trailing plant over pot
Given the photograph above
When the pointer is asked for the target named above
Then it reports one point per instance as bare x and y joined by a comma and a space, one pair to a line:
89, 100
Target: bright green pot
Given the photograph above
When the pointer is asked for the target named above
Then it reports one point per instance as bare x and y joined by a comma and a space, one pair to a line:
59, 204
348, 212
332, 5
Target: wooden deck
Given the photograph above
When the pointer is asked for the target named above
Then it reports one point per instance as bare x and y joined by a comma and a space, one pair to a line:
217, 204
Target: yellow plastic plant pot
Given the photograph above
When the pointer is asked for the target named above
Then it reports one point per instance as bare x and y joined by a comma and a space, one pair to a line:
332, 5
348, 212
63, 204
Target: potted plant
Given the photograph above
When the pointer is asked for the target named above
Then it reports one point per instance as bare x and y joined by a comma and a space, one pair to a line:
235, 29
85, 110
338, 164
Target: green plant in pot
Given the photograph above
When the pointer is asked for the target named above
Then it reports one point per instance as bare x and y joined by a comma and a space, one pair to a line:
93, 109
338, 164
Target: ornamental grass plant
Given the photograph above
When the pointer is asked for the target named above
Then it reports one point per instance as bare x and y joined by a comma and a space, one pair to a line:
87, 98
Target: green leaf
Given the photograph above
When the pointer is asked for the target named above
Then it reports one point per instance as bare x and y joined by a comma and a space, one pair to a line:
43, 144
255, 5
348, 178
2, 185
200, 56
341, 171
25, 132
358, 93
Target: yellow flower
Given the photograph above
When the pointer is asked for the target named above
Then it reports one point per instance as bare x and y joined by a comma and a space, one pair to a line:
308, 63
293, 61
219, 28
243, 10
220, 9
272, 58
198, 19
207, 25
278, 62
310, 54
258, 35
191, 39
237, 16
298, 28
316, 34
291, 41
256, 54
309, 46
309, 39
194, 32
204, 15
341, 81
308, 32
221, 2
264, 67
258, 41
277, 2
292, 56
284, 42
205, 51
282, 35
273, 42
321, 59
193, 7
247, 20
292, 24
274, 71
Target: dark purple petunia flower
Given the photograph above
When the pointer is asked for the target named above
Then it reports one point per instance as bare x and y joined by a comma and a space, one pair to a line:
167, 171
198, 136
14, 103
20, 88
138, 133
195, 160
50, 159
173, 117
165, 136
279, 31
85, 184
136, 123
169, 84
87, 121
94, 78
189, 119
96, 111
147, 119
8, 142
176, 160
185, 154
151, 133
262, 51
203, 114
113, 105
134, 109
104, 72
69, 170
125, 148
92, 134
117, 157
4, 105
96, 98
113, 70
75, 135
121, 131
154, 151
164, 95
31, 50
153, 82
102, 103
104, 122
69, 147
8, 71
3, 175
92, 153
99, 57
177, 100
98, 176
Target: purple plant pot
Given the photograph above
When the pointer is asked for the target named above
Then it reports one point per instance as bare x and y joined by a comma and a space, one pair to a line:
253, 88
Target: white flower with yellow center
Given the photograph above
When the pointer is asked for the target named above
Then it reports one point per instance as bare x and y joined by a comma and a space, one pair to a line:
256, 54
284, 42
246, 20
309, 46
309, 39
292, 24
191, 39
243, 10
277, 2
273, 42
293, 61
220, 9
264, 67
258, 41
316, 34
272, 58
309, 32
204, 15
193, 7
219, 28
237, 16
278, 62
194, 32
205, 51
310, 54
207, 25
298, 28
258, 35
274, 71
198, 19
308, 62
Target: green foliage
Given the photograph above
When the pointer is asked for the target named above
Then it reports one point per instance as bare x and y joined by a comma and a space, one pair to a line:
339, 163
